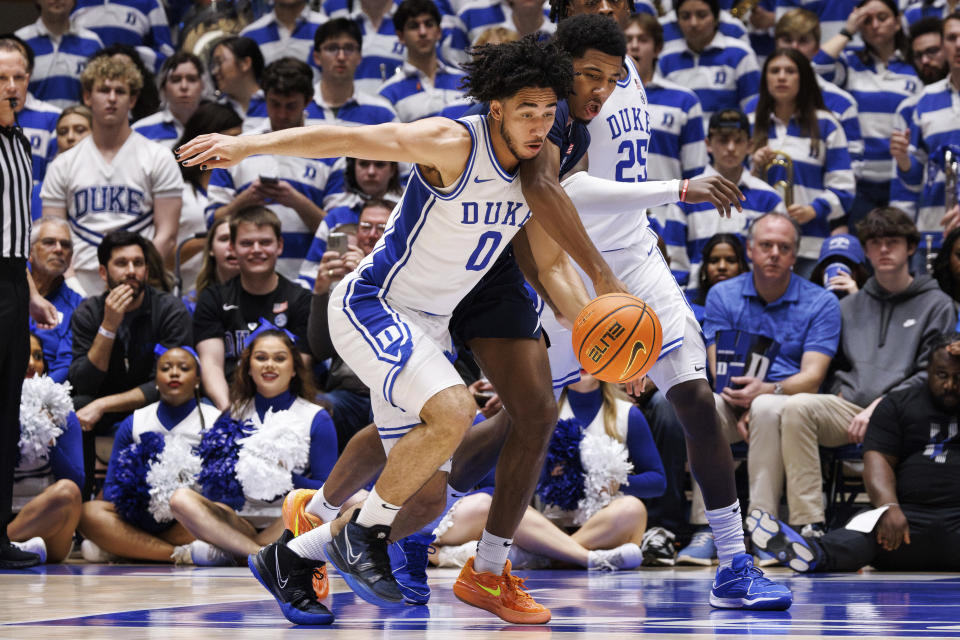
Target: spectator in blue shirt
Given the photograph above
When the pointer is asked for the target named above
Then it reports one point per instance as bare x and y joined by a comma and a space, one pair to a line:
803, 319
287, 31
182, 85
61, 48
51, 251
136, 23
424, 85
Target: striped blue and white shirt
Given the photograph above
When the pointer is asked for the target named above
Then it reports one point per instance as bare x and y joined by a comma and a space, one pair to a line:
677, 147
935, 123
59, 61
476, 16
833, 14
335, 217
728, 26
919, 9
310, 177
725, 75
276, 41
822, 175
160, 127
38, 120
902, 195
139, 23
686, 228
844, 108
255, 116
878, 89
414, 95
382, 52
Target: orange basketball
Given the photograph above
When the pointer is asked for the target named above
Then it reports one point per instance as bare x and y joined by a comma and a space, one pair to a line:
617, 337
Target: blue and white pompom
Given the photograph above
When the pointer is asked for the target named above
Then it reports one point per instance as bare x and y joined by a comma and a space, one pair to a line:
44, 407
219, 448
605, 463
561, 482
147, 474
268, 458
176, 468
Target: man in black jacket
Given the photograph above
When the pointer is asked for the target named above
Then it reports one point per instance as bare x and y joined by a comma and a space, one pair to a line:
114, 335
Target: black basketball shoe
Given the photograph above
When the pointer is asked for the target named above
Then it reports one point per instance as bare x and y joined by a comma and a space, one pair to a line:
289, 578
360, 554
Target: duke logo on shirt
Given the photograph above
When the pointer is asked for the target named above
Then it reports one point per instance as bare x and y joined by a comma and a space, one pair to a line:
628, 119
115, 198
720, 78
504, 213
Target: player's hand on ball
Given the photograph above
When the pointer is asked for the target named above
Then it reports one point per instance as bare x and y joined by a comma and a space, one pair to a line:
213, 151
718, 191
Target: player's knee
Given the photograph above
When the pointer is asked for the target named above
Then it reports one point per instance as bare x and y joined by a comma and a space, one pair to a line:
65, 494
452, 410
694, 405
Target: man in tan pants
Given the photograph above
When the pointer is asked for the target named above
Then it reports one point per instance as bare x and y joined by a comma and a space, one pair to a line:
804, 320
888, 328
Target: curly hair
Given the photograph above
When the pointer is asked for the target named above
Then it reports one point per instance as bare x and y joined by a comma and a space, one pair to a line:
591, 31
243, 388
499, 71
112, 68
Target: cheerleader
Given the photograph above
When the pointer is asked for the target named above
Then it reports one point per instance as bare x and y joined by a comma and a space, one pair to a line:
152, 452
272, 439
49, 474
599, 435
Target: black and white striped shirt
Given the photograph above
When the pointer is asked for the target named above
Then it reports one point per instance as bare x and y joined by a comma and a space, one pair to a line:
16, 182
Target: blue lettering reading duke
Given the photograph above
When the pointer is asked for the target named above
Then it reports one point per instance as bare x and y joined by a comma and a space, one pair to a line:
113, 198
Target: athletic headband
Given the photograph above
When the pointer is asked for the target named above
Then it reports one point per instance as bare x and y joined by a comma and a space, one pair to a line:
159, 350
266, 325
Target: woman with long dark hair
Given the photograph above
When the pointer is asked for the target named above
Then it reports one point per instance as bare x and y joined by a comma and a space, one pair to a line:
792, 121
236, 66
272, 439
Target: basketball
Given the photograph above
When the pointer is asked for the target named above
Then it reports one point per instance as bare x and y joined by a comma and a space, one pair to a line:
617, 337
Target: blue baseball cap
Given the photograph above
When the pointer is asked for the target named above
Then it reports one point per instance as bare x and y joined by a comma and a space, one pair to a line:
842, 245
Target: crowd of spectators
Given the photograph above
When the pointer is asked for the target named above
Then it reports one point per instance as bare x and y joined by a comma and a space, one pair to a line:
192, 303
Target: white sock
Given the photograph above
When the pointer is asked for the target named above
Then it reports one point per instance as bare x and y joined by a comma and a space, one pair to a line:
319, 507
492, 553
310, 545
377, 511
727, 526
452, 496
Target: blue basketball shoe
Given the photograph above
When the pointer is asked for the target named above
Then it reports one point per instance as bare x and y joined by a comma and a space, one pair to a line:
742, 586
408, 559
781, 541
289, 579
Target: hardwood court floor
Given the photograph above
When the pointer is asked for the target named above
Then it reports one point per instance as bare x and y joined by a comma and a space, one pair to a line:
158, 602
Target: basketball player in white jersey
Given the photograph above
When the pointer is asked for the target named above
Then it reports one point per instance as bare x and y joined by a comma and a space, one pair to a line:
389, 318
617, 152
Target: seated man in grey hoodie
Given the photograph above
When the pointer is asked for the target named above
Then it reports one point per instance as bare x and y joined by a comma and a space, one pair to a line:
888, 329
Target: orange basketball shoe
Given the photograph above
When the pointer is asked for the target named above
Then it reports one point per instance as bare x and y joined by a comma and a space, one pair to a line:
295, 516
502, 595
298, 521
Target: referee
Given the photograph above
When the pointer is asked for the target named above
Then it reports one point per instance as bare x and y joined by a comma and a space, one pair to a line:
18, 295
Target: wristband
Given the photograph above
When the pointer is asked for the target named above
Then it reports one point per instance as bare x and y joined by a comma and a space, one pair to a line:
683, 190
889, 504
846, 34
110, 335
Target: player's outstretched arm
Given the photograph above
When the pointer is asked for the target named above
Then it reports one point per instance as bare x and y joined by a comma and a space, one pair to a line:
438, 143
559, 281
555, 212
593, 195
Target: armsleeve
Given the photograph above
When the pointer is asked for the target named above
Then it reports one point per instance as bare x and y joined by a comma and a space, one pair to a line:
60, 365
66, 459
649, 481
823, 335
160, 36
838, 181
593, 195
85, 378
748, 78
913, 177
311, 263
121, 440
220, 192
323, 452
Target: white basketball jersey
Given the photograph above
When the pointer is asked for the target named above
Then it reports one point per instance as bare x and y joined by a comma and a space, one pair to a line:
439, 242
619, 141
101, 197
